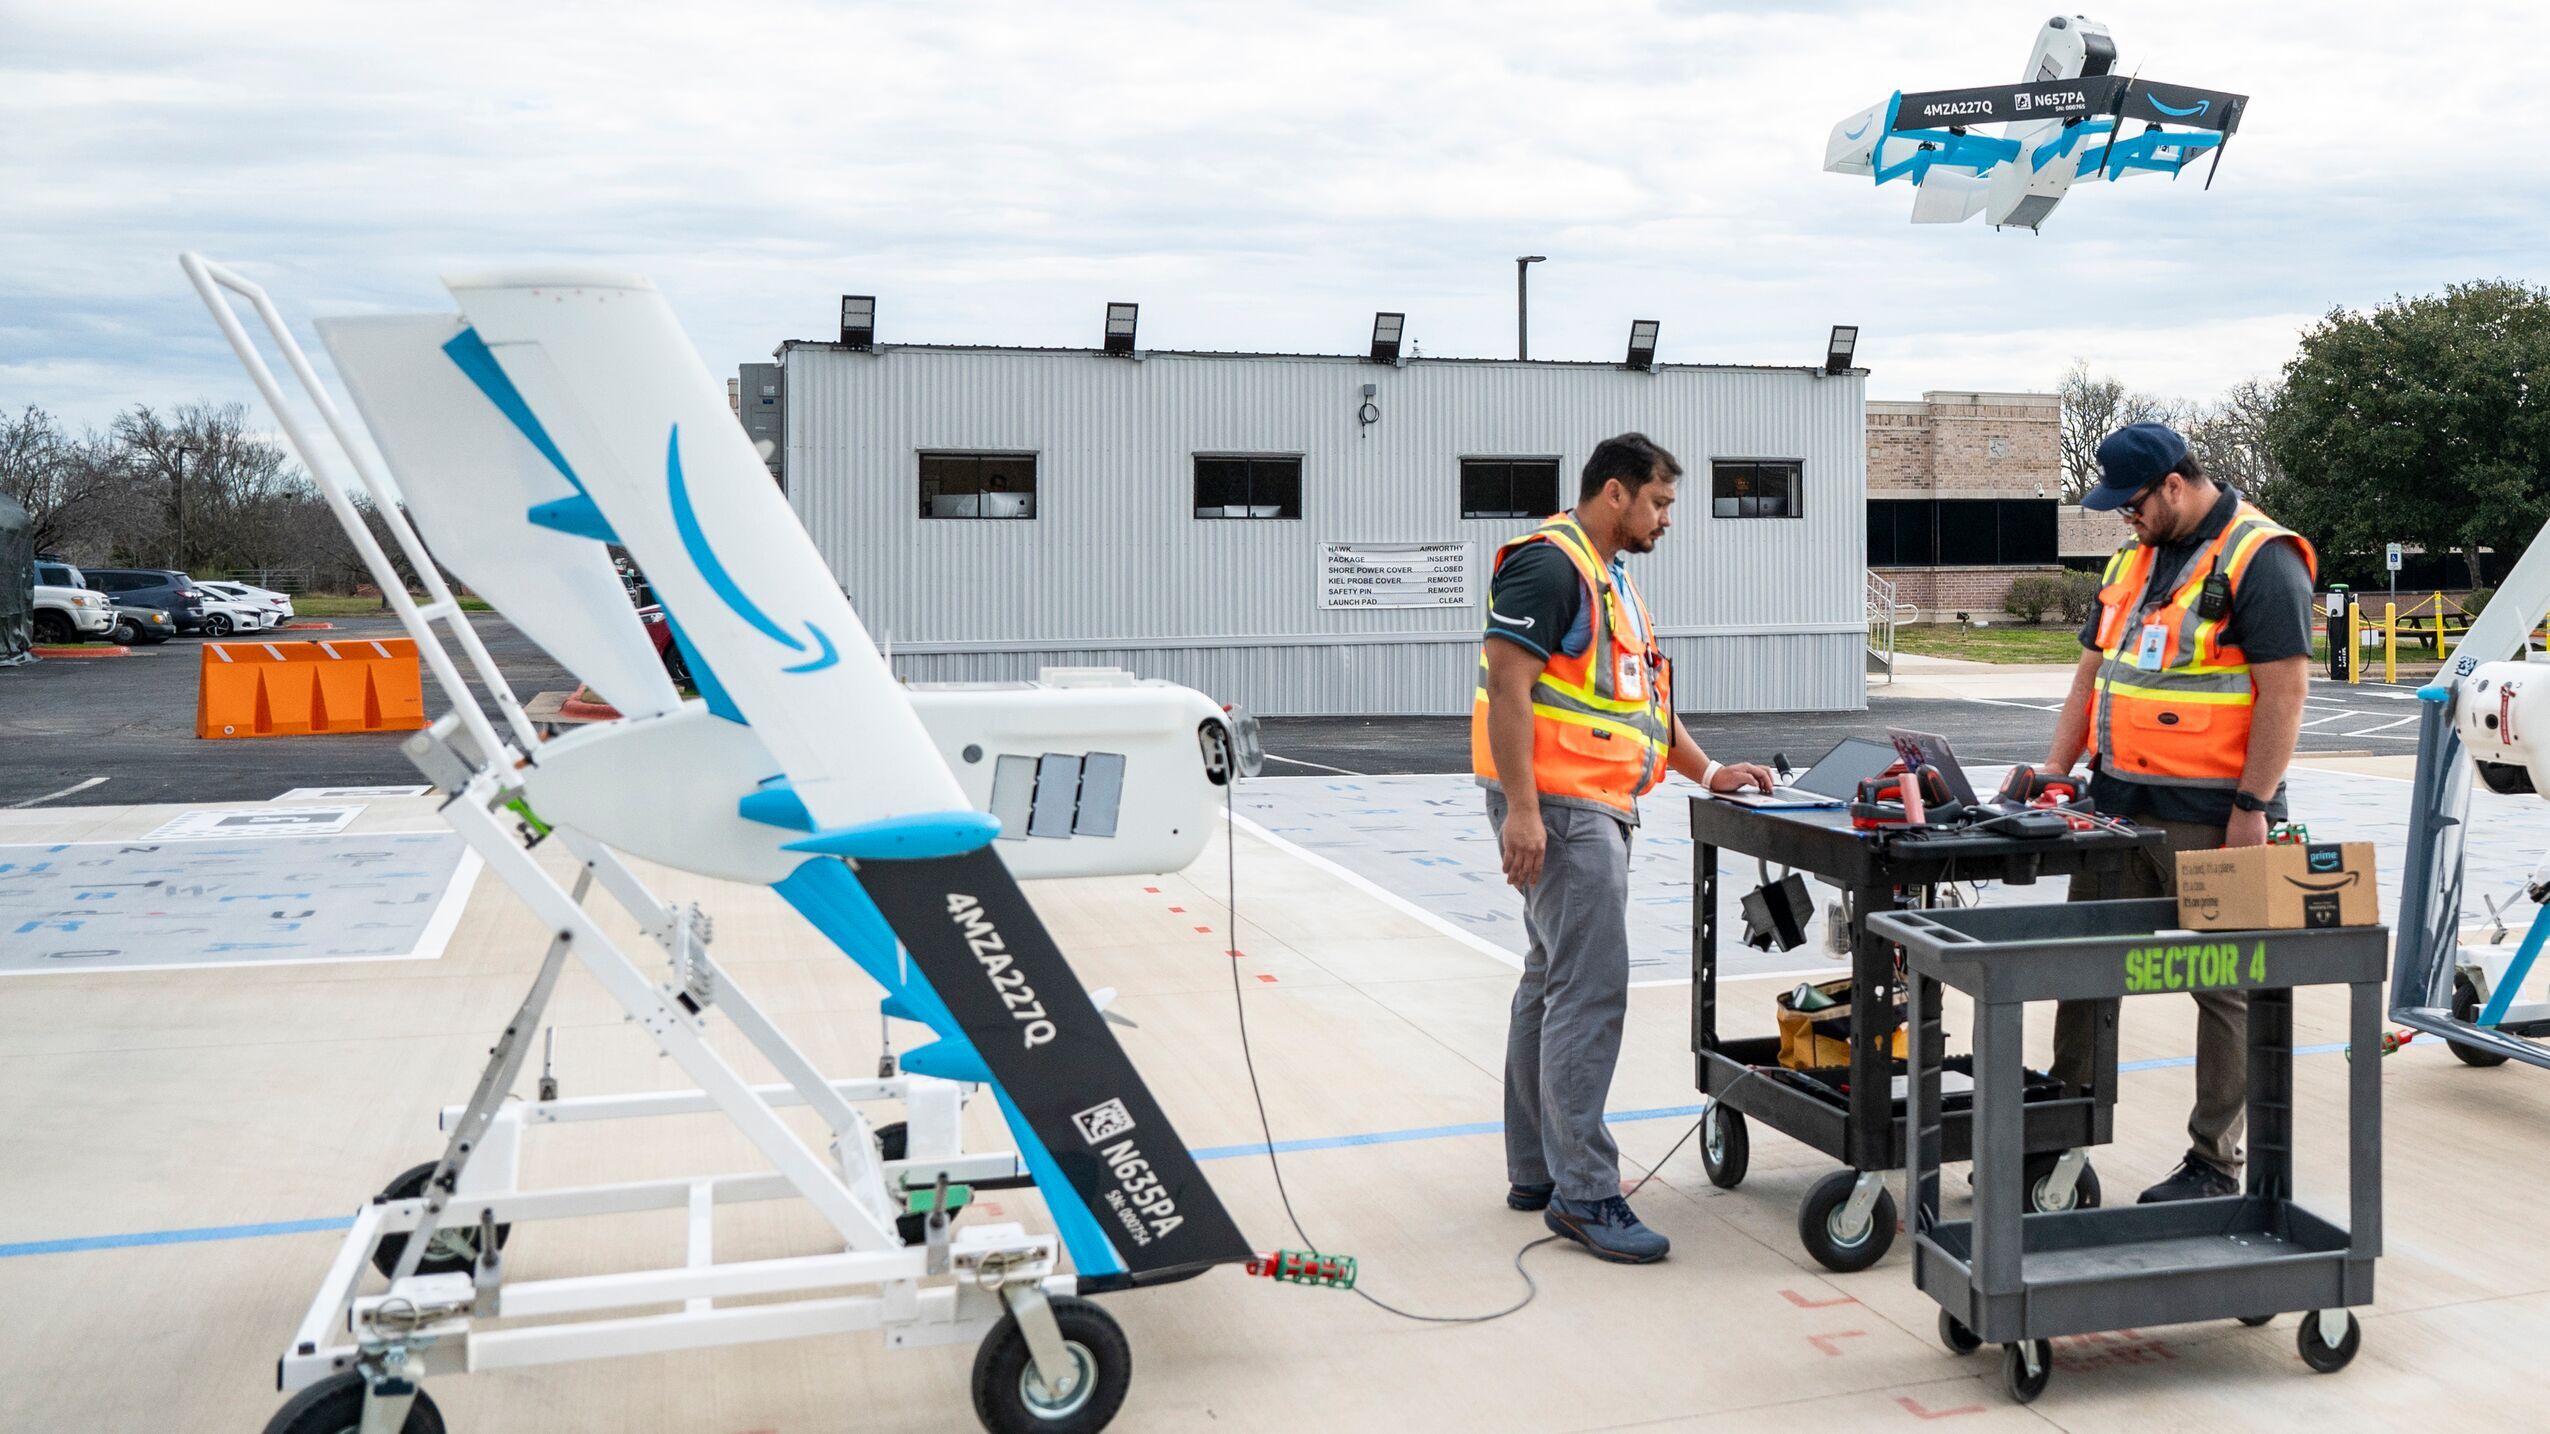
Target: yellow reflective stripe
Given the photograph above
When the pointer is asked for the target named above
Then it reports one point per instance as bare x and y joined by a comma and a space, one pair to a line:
2177, 694
1589, 696
1598, 724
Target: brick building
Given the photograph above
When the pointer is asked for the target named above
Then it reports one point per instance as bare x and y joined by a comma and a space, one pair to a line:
1963, 492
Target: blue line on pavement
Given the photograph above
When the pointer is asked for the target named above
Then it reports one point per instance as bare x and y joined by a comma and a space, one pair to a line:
202, 1234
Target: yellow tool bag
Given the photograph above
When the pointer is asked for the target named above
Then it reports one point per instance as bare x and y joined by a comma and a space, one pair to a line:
1815, 1025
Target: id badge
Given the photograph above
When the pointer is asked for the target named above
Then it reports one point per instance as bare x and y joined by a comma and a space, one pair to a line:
1632, 679
2154, 648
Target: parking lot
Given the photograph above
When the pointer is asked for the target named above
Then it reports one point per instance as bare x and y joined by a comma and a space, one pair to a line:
125, 727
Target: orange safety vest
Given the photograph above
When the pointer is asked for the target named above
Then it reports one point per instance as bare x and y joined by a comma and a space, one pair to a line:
1602, 721
2174, 700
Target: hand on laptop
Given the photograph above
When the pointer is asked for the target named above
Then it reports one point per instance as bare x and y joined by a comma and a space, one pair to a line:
1736, 776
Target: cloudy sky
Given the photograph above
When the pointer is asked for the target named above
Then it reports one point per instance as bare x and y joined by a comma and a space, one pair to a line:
1257, 177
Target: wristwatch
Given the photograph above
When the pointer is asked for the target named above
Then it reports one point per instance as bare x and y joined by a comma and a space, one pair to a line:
2248, 803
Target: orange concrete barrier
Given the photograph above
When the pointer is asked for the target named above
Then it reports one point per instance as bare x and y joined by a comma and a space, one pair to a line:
277, 689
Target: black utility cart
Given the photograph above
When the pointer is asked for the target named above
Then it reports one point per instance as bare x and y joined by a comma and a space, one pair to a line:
1852, 1112
2017, 1279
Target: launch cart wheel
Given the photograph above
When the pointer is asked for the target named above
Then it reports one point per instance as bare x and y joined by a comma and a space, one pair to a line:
1953, 1333
1010, 1399
1726, 1147
334, 1405
455, 1247
2466, 1008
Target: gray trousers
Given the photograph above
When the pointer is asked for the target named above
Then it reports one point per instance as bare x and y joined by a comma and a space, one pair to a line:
1564, 1037
2222, 1026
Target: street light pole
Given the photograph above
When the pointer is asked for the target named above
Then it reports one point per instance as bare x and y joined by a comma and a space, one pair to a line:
177, 487
1523, 302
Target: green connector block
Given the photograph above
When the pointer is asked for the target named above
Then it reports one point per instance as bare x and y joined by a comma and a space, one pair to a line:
1308, 1267
918, 1202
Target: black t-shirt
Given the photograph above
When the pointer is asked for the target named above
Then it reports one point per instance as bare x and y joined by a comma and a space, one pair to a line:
1536, 600
2270, 621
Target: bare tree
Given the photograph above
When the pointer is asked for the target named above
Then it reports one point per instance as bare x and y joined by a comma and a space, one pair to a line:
218, 484
68, 485
2230, 435
2094, 407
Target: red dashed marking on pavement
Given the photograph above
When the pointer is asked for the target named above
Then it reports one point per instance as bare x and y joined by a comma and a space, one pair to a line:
1914, 1409
1825, 1342
1207, 930
1802, 1302
1236, 955
1151, 891
1264, 977
989, 1207
1179, 909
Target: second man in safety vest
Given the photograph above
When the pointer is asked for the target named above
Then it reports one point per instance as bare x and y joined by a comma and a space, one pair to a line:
2189, 696
1572, 721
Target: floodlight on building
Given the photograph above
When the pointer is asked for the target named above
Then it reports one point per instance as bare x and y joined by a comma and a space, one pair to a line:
858, 321
1120, 321
1838, 350
1386, 329
1642, 343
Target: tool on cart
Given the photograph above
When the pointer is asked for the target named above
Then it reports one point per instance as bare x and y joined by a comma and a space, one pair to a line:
1901, 798
2021, 1279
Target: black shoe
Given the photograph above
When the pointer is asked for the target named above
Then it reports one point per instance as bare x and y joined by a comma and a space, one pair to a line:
2196, 1178
1529, 1197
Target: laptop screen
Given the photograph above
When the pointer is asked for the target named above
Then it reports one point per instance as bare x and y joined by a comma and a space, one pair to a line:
1853, 760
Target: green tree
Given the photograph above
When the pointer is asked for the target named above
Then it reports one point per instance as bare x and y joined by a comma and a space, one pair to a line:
2422, 421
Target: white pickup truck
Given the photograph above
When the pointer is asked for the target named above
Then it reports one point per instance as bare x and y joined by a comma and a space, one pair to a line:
66, 610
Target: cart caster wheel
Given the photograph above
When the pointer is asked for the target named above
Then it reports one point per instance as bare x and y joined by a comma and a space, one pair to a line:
1008, 1397
334, 1405
2466, 1008
1819, 1225
2022, 1386
2323, 1356
1953, 1333
2084, 1193
1726, 1148
454, 1251
2253, 1321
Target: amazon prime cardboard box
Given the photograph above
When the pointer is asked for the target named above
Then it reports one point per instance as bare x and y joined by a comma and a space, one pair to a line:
2289, 886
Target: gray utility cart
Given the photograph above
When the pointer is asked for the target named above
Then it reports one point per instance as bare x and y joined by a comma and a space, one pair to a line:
2017, 1279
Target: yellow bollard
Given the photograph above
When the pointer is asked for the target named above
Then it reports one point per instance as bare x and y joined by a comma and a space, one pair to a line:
2390, 643
2354, 643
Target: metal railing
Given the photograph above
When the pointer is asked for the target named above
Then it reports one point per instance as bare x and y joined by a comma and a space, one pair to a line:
1883, 613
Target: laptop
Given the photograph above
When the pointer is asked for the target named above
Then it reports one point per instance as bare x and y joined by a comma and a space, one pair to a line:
1929, 748
1831, 782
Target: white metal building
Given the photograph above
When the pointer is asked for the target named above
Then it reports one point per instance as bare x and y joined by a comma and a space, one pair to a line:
1308, 533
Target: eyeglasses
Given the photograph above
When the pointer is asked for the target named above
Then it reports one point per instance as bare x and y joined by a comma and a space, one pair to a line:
2133, 507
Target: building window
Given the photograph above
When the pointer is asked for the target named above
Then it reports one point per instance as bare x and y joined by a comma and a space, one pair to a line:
1509, 487
1962, 533
978, 485
1750, 488
1229, 486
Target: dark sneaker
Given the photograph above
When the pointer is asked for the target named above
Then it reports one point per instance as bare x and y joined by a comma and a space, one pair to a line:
2195, 1179
1529, 1197
1607, 1228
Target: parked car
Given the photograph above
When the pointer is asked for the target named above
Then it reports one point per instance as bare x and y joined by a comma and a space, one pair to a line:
276, 606
224, 614
141, 626
167, 589
66, 608
667, 651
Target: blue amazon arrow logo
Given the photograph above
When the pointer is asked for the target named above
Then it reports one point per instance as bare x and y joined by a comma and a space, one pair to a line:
2199, 107
1863, 128
722, 583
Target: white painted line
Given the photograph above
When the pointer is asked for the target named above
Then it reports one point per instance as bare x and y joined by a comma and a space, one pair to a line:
1379, 893
66, 791
2369, 731
1322, 766
438, 927
2333, 717
2031, 706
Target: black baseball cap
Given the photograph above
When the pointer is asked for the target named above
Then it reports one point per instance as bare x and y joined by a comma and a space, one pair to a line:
2132, 459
